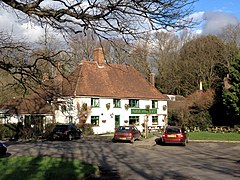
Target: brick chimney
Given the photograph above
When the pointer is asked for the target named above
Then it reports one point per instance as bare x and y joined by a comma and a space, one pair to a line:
98, 56
152, 79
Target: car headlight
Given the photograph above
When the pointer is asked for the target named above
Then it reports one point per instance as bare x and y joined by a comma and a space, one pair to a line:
4, 145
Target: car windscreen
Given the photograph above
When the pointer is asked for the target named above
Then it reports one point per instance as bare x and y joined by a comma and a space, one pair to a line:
123, 129
172, 131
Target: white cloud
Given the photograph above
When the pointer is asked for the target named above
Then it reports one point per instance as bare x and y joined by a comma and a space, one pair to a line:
197, 16
19, 28
216, 21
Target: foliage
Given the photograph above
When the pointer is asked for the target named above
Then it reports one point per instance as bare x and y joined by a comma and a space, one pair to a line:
86, 129
5, 132
202, 120
178, 117
48, 129
200, 100
83, 112
45, 168
231, 95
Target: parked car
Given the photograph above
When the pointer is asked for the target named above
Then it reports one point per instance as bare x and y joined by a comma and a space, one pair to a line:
126, 133
66, 132
3, 149
175, 134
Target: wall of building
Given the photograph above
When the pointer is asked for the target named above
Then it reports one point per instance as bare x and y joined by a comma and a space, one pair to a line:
106, 116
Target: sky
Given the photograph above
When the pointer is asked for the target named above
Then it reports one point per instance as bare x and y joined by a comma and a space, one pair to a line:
213, 15
216, 14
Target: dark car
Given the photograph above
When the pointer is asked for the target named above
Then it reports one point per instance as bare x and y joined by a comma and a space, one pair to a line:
126, 133
175, 134
3, 149
66, 132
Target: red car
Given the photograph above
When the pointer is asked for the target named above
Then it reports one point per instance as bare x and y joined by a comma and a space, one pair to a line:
175, 134
126, 133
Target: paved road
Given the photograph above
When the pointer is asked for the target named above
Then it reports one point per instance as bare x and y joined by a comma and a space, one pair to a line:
145, 160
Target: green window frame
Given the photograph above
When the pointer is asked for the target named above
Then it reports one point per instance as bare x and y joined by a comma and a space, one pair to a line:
95, 120
95, 102
154, 104
134, 103
154, 120
116, 103
133, 120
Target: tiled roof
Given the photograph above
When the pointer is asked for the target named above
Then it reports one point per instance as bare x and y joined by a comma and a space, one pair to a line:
110, 80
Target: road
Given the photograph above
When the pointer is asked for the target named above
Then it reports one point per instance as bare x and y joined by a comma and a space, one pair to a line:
144, 160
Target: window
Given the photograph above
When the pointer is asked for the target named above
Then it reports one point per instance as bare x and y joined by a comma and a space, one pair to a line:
95, 120
133, 120
116, 103
95, 102
154, 120
134, 103
154, 104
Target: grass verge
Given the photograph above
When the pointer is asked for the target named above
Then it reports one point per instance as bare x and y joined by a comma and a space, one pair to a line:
214, 136
44, 168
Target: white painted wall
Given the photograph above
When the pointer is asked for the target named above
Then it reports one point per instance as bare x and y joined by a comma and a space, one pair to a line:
109, 115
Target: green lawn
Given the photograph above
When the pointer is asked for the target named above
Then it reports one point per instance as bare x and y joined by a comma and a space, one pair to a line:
214, 136
44, 168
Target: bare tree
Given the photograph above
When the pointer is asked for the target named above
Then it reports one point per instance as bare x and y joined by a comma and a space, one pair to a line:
138, 58
107, 18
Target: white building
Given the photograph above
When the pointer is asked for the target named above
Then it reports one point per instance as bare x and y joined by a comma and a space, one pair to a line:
112, 95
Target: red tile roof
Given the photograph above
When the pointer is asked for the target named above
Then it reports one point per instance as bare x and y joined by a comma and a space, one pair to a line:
110, 80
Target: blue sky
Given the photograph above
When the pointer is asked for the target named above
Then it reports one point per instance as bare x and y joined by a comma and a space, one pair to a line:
227, 6
216, 14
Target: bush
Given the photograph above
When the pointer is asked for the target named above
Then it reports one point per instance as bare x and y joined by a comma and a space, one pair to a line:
202, 120
5, 132
48, 130
86, 129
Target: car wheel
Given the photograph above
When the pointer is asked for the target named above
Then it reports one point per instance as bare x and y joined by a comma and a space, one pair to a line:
70, 137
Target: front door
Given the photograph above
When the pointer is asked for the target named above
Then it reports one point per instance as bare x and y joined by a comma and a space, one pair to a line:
117, 120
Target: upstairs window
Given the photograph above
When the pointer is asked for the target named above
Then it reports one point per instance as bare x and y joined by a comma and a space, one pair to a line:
95, 102
133, 103
116, 103
154, 104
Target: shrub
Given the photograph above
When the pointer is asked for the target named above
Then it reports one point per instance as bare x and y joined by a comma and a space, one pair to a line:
48, 130
86, 129
5, 132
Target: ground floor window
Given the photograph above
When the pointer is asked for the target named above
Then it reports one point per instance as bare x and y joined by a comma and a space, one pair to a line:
133, 120
154, 120
95, 120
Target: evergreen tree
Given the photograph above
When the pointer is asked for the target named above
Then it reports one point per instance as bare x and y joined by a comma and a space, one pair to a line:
231, 96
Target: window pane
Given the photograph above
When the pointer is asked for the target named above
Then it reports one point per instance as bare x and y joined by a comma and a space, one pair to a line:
116, 103
133, 120
95, 102
95, 120
154, 104
155, 120
134, 103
